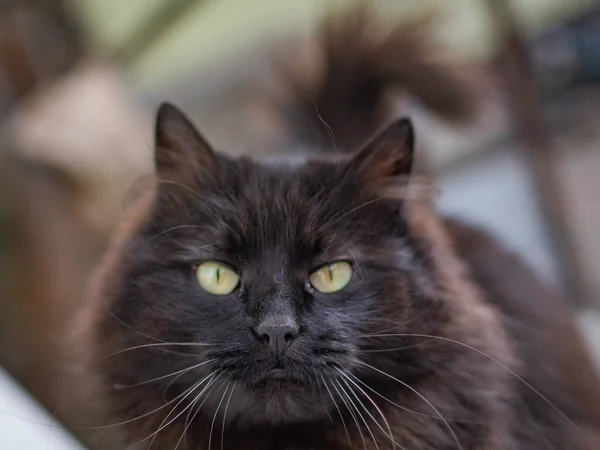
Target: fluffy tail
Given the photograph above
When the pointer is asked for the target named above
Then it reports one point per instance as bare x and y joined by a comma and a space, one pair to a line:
350, 97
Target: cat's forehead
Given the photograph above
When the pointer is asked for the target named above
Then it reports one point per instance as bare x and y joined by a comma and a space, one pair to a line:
288, 184
299, 159
277, 196
295, 176
291, 161
294, 207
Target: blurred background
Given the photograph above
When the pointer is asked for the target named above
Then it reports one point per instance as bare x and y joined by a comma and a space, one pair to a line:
80, 81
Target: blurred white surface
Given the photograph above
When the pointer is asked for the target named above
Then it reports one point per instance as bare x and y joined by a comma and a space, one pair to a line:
495, 192
25, 425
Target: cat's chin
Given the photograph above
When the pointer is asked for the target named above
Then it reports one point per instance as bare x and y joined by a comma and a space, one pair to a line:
273, 401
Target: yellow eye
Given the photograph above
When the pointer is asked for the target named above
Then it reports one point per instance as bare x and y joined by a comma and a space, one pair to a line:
217, 278
331, 277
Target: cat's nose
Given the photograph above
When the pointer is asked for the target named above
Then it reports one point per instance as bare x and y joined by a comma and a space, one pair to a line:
278, 332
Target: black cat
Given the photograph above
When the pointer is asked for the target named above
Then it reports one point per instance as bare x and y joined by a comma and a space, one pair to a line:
315, 304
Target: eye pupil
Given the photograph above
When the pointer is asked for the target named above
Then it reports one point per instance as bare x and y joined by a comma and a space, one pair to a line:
332, 277
216, 278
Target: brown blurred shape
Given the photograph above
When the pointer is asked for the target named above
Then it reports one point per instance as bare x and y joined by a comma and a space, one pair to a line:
516, 75
39, 41
46, 250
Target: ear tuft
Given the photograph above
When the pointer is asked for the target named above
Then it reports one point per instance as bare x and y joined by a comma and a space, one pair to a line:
178, 145
388, 154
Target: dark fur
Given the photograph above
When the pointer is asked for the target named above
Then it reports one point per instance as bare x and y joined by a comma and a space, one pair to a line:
469, 326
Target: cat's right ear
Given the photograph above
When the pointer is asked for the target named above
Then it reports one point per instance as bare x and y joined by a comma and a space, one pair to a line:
180, 153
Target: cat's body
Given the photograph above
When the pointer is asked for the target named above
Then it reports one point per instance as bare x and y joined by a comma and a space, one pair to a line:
439, 340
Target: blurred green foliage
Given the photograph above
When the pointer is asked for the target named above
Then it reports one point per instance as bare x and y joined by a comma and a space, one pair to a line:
213, 29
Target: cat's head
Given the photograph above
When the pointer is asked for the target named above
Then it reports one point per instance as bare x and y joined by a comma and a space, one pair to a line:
259, 283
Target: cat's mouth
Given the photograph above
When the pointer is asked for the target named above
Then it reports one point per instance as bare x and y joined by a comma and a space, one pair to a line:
279, 376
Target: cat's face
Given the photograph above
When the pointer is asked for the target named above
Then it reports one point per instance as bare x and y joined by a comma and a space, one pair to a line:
274, 273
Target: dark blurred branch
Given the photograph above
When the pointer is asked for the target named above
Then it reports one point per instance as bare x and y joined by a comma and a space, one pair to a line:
154, 28
517, 75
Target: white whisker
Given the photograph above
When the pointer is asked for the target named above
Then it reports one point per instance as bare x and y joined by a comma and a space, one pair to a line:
225, 415
412, 411
510, 371
361, 206
389, 429
326, 125
212, 424
191, 405
322, 398
338, 410
169, 384
174, 183
191, 420
359, 414
343, 397
126, 325
422, 397
160, 344
177, 228
162, 426
182, 371
403, 324
139, 417
357, 266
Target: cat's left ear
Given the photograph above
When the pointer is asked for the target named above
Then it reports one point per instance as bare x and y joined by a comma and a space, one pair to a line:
388, 154
180, 150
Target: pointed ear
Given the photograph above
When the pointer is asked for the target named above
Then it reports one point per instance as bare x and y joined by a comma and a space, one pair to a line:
388, 154
180, 150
